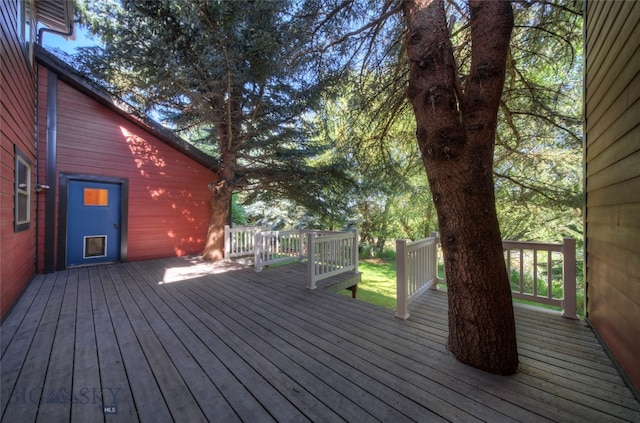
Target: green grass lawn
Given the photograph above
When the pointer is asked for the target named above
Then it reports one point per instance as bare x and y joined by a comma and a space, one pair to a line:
378, 285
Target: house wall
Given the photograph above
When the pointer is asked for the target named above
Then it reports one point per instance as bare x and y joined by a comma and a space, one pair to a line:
17, 128
612, 94
168, 203
42, 163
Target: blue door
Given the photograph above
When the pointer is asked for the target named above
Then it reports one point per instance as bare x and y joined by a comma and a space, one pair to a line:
93, 222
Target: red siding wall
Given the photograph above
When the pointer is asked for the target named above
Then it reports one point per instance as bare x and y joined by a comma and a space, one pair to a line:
17, 123
168, 195
42, 162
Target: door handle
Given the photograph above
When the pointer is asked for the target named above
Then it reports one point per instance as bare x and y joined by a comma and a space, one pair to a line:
115, 225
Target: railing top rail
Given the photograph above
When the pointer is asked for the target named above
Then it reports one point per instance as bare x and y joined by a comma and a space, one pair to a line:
547, 246
334, 236
322, 232
278, 232
419, 242
237, 229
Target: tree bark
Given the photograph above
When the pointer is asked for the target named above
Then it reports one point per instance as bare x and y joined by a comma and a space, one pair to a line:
229, 141
456, 129
220, 209
221, 193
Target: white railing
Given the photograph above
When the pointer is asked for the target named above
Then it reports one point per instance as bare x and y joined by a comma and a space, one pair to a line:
273, 247
535, 269
329, 254
239, 240
417, 270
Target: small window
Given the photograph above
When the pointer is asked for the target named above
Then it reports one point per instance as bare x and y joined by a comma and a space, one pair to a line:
96, 197
22, 206
27, 27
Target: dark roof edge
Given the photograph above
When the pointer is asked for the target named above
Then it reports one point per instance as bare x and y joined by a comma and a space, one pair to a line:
70, 76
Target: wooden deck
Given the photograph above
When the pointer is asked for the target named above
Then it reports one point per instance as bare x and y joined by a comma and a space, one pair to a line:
179, 340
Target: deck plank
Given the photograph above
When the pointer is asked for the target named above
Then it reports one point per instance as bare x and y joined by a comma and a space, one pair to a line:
591, 389
584, 392
170, 330
587, 400
115, 391
58, 383
174, 390
17, 347
146, 395
349, 363
356, 330
228, 344
261, 383
548, 396
85, 405
18, 313
239, 384
33, 369
324, 386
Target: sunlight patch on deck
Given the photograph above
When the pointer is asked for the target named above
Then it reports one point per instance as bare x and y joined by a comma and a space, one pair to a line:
197, 268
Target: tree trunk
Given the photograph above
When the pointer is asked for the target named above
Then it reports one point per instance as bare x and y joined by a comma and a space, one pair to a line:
222, 191
380, 242
456, 134
228, 129
220, 209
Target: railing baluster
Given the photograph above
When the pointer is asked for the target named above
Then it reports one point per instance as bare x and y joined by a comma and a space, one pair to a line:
535, 272
402, 308
257, 251
549, 274
521, 270
509, 264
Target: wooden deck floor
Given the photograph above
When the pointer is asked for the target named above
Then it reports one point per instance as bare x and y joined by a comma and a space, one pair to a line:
179, 340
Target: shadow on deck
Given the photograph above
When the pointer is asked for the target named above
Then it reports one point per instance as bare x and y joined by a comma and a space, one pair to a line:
182, 340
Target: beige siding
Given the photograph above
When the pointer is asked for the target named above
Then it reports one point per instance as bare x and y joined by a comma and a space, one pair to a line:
613, 177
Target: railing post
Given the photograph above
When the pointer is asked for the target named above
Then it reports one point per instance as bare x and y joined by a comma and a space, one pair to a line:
354, 251
227, 242
257, 249
402, 307
433, 261
301, 252
436, 235
569, 278
311, 279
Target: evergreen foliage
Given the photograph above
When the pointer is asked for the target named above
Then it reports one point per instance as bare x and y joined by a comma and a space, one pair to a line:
311, 96
233, 78
538, 154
